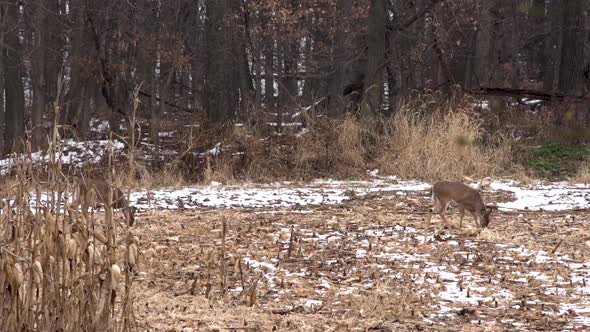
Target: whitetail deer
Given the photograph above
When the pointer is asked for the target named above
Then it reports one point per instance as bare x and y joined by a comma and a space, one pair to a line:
94, 192
442, 193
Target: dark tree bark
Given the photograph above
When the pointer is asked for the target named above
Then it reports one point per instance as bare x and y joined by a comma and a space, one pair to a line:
2, 85
218, 101
539, 20
339, 58
572, 50
240, 58
483, 62
111, 28
13, 78
77, 99
373, 81
193, 31
288, 91
552, 45
268, 75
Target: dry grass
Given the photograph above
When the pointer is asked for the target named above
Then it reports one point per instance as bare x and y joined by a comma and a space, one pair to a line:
583, 174
377, 256
420, 141
332, 148
440, 145
169, 176
61, 270
423, 140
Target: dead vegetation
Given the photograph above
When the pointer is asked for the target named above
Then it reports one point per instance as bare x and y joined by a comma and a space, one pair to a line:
61, 270
368, 264
422, 140
442, 144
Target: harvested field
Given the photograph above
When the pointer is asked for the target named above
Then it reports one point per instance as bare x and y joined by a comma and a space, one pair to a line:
367, 263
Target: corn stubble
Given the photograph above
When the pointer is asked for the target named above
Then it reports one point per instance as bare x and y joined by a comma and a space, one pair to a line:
62, 271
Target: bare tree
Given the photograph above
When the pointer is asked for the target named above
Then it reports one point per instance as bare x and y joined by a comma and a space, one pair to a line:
373, 81
13, 80
572, 50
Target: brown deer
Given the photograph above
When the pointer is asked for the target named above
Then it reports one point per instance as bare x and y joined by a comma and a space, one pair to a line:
442, 193
94, 193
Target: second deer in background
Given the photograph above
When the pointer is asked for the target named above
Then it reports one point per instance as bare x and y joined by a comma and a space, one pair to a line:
94, 192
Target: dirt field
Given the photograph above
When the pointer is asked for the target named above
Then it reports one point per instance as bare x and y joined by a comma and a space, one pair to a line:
366, 264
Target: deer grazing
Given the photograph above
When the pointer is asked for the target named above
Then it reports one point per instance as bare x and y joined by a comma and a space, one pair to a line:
442, 193
94, 192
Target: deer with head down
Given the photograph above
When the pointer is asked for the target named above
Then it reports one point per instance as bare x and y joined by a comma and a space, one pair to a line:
94, 193
468, 198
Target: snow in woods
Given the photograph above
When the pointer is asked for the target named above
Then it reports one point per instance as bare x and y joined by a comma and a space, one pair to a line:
485, 104
73, 154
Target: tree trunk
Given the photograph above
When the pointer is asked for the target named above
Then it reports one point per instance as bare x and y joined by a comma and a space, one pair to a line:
514, 48
240, 58
2, 86
257, 61
288, 90
76, 107
483, 47
218, 95
339, 57
572, 47
536, 51
14, 88
310, 83
393, 72
552, 45
166, 76
373, 82
37, 39
269, 99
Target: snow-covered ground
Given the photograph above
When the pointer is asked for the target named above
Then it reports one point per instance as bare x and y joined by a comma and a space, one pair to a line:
454, 282
548, 196
279, 194
444, 267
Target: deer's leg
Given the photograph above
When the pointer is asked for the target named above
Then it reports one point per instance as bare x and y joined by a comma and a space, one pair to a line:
476, 218
434, 207
461, 214
441, 212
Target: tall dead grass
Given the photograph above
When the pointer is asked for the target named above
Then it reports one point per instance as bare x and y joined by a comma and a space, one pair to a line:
419, 141
61, 270
583, 174
444, 144
332, 148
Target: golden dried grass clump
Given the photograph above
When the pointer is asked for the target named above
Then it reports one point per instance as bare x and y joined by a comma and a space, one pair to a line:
333, 148
168, 176
419, 141
583, 174
250, 155
440, 145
